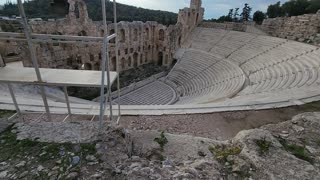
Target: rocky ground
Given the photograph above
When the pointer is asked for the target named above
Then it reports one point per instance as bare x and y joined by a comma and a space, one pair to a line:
76, 150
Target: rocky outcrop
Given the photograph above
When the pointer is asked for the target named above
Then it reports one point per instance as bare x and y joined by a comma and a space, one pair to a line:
289, 150
304, 28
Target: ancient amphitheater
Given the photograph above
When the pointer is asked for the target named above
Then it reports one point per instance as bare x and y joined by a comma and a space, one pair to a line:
216, 70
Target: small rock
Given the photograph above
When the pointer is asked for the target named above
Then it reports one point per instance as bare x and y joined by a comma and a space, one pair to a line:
91, 158
62, 152
92, 163
297, 128
167, 163
284, 135
42, 154
98, 146
284, 132
40, 168
311, 150
96, 176
24, 174
55, 168
21, 164
59, 162
75, 160
3, 174
134, 165
72, 175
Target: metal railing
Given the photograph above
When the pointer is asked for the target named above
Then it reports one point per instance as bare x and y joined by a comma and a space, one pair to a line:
32, 38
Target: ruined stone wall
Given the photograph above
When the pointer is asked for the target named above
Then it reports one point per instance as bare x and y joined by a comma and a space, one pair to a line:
189, 18
139, 43
231, 26
304, 28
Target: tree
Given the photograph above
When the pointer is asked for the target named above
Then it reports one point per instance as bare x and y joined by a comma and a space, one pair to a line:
275, 10
246, 11
295, 7
258, 17
314, 6
230, 14
235, 15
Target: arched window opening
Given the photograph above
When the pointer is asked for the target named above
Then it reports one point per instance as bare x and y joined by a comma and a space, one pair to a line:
122, 63
135, 35
96, 66
135, 60
82, 33
91, 57
166, 60
112, 32
146, 58
161, 35
141, 59
114, 63
160, 58
129, 62
122, 36
87, 66
147, 34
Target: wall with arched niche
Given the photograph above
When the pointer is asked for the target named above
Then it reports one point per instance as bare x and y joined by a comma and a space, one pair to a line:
139, 43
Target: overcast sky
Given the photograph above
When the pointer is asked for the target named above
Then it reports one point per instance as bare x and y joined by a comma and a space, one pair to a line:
213, 8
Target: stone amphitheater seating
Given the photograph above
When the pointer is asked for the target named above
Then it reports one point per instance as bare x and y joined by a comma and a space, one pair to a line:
155, 93
200, 77
217, 70
236, 67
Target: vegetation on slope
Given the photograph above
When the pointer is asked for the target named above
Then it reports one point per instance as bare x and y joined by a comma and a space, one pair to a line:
43, 9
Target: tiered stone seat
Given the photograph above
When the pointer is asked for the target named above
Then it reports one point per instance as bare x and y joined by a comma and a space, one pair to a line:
283, 68
202, 78
156, 93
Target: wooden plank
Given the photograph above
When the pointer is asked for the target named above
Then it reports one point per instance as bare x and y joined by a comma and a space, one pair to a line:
56, 77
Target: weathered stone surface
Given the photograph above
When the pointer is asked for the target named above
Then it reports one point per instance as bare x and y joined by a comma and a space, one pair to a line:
304, 28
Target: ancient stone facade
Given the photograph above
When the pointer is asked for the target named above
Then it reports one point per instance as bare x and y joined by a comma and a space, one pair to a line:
304, 28
139, 43
232, 26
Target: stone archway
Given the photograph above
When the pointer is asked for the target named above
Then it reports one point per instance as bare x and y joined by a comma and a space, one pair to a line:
123, 63
122, 36
113, 63
160, 59
87, 66
135, 60
129, 62
161, 35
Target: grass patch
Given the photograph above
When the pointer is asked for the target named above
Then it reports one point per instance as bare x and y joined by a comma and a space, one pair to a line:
263, 145
296, 150
5, 113
314, 106
222, 152
48, 155
162, 140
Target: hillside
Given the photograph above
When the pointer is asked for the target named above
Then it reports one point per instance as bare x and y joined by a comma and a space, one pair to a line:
42, 9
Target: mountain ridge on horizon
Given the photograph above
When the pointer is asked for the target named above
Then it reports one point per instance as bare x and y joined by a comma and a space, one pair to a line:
40, 9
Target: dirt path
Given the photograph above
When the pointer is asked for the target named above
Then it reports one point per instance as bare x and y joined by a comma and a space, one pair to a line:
219, 126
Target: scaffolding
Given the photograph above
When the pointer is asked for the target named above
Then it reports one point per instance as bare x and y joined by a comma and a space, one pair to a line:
107, 77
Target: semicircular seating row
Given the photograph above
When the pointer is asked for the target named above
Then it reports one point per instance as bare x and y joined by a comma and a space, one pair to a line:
219, 64
270, 64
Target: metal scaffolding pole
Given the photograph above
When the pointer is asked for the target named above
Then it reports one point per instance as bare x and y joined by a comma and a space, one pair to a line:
14, 99
104, 67
65, 90
33, 55
117, 56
